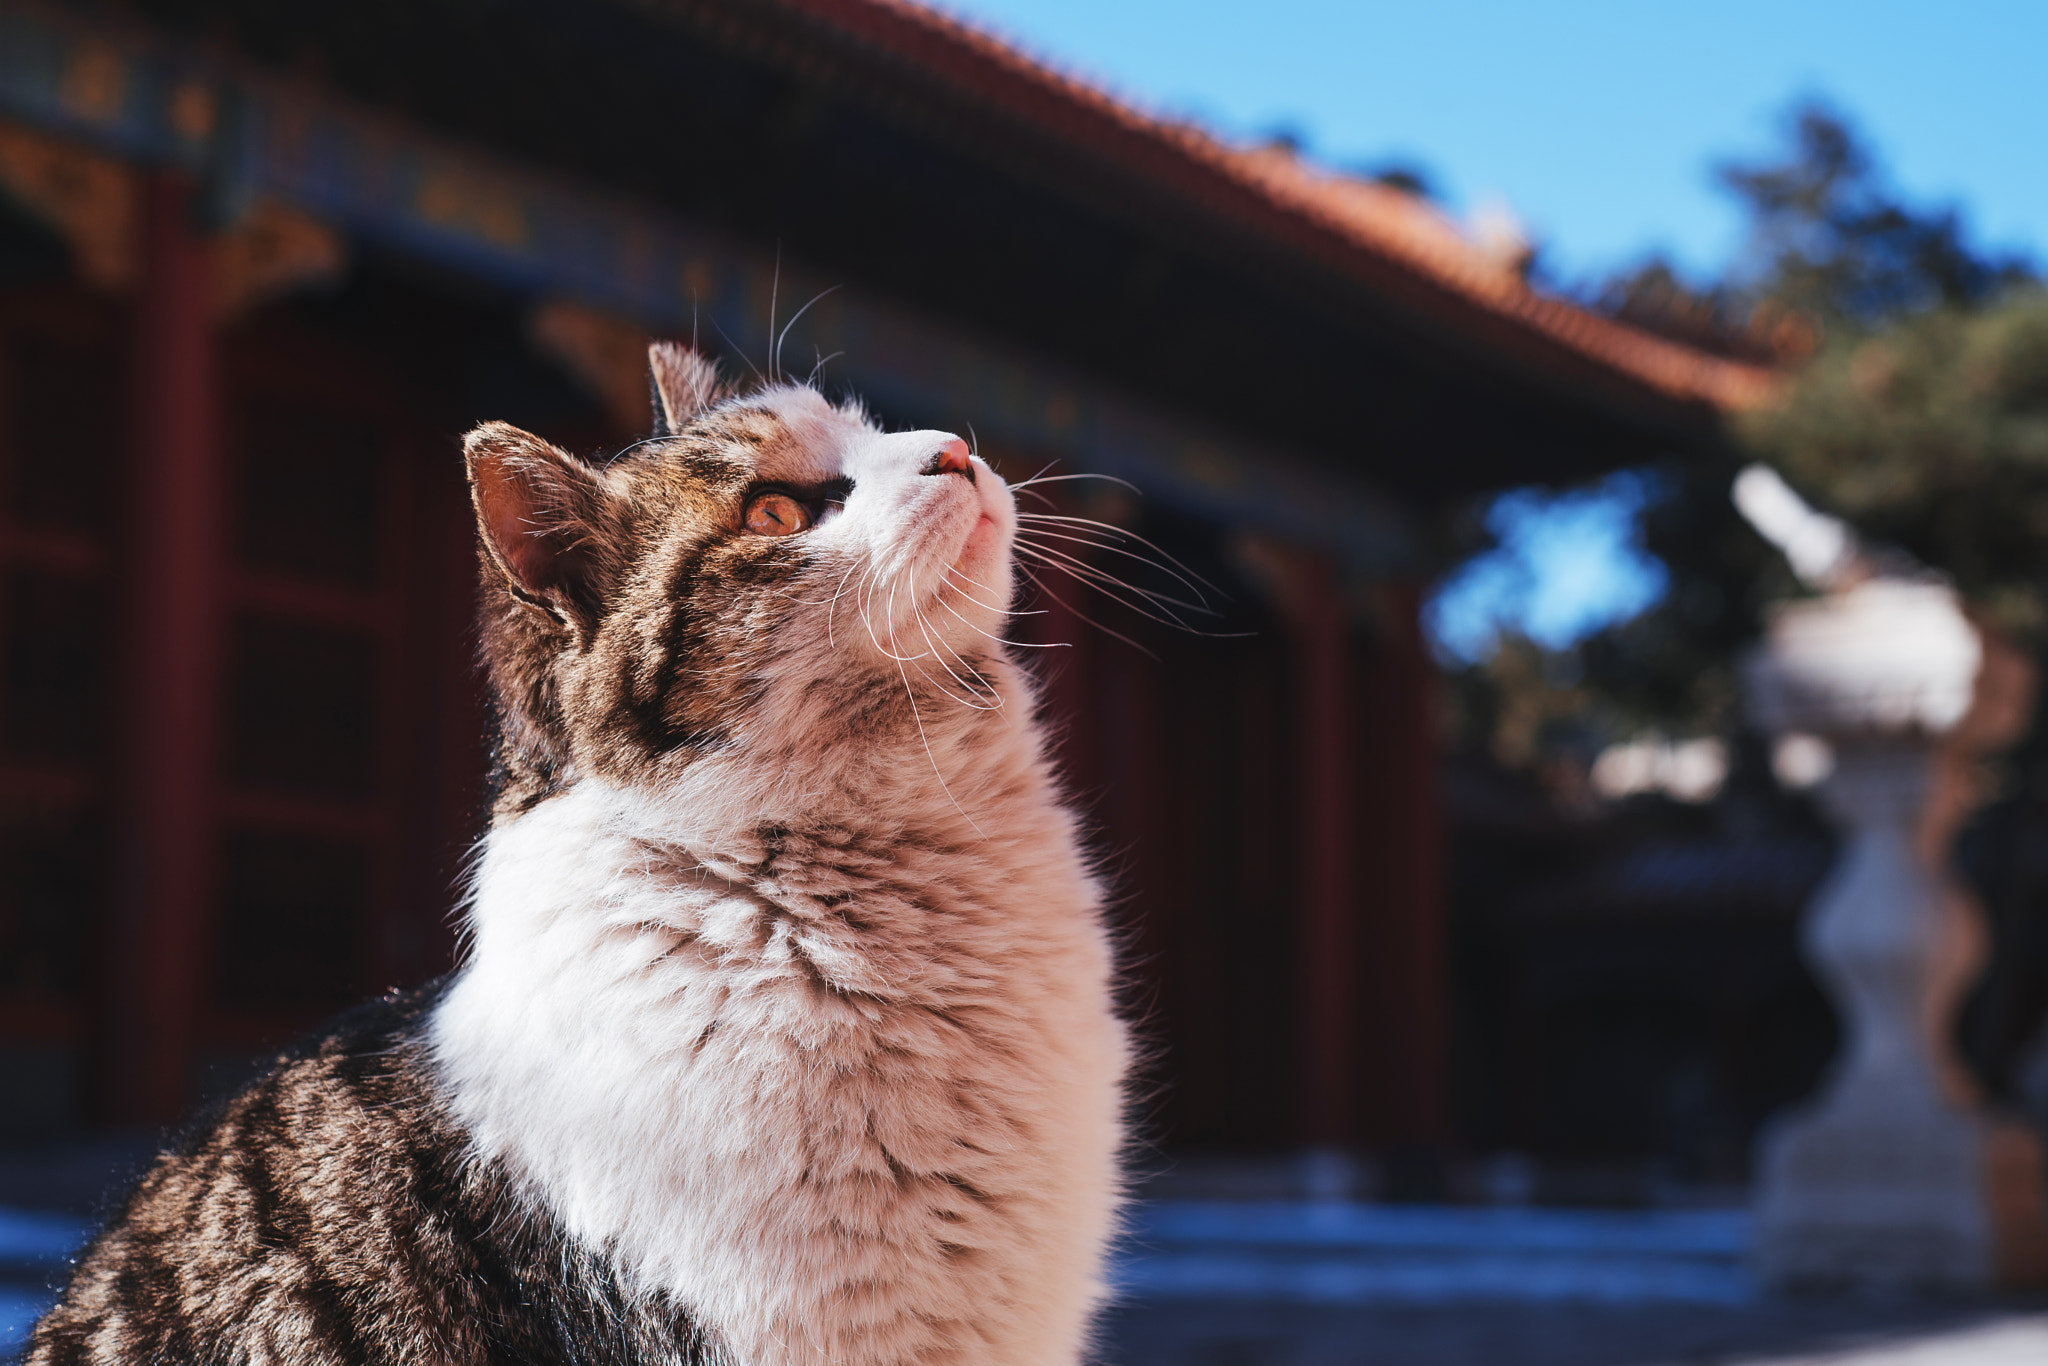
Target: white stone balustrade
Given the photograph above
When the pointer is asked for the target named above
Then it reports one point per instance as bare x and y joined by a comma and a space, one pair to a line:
1895, 1175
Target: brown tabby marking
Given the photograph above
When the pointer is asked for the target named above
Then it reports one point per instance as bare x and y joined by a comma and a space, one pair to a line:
330, 1215
658, 537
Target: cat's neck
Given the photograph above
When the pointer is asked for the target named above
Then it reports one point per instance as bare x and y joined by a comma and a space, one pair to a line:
906, 757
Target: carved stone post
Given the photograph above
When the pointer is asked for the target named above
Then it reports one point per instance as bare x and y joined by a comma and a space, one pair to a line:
1894, 1174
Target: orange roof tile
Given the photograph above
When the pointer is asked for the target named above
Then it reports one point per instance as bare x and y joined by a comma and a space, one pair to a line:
1394, 242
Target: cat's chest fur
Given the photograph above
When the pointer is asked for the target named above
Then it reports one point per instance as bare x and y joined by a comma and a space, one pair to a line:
842, 1094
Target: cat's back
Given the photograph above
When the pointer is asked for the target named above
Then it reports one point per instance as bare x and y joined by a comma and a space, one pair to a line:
330, 1213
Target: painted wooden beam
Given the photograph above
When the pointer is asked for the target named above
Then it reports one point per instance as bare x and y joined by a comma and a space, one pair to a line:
245, 133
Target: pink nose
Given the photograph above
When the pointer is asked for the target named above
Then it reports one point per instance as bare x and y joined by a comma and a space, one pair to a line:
951, 459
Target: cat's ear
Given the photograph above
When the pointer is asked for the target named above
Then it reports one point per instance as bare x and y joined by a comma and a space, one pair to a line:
684, 384
540, 512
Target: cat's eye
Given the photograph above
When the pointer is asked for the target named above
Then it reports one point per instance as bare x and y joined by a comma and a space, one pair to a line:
776, 514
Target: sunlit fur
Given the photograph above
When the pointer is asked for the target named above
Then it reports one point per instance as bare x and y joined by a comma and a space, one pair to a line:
787, 989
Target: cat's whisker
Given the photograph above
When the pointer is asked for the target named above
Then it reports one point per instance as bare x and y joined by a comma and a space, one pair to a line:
867, 611
957, 572
1120, 534
989, 607
869, 586
924, 628
1170, 610
1087, 580
971, 702
1083, 616
814, 602
1115, 589
863, 603
1109, 583
910, 696
968, 702
823, 361
924, 624
889, 610
832, 608
1103, 576
775, 361
1041, 534
1063, 478
1003, 640
842, 590
937, 647
735, 349
1024, 485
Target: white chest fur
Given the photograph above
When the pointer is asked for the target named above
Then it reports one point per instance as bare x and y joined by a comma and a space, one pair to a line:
842, 1100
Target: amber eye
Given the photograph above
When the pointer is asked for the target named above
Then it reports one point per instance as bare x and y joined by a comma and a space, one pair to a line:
776, 514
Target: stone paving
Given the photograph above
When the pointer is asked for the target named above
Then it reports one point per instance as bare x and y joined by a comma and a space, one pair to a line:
1281, 1283
1497, 1334
1348, 1253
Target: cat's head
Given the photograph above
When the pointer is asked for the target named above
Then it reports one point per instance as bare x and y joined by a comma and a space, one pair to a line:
769, 559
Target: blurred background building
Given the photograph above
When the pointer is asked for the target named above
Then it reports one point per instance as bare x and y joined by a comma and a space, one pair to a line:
1438, 914
261, 265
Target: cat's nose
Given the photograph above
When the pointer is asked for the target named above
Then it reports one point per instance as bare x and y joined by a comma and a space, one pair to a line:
951, 459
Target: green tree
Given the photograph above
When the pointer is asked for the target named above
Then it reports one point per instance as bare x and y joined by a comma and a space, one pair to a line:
1827, 235
1930, 433
1921, 415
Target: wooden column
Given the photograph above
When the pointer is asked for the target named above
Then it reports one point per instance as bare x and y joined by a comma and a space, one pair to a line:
1400, 843
1328, 969
156, 953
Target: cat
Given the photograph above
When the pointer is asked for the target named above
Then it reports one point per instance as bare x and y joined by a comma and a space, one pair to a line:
785, 1032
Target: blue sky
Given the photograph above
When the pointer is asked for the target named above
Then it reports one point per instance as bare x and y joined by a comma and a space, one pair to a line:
1564, 564
1597, 123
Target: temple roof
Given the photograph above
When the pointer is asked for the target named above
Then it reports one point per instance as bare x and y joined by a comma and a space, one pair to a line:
1391, 240
920, 161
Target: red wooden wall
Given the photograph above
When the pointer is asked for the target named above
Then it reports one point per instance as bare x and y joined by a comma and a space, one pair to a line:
241, 743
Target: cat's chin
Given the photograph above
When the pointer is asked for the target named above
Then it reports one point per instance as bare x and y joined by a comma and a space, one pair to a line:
981, 540
981, 561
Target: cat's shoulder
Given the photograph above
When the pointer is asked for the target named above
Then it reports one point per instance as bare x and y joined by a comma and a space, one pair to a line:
353, 1101
285, 1213
370, 1064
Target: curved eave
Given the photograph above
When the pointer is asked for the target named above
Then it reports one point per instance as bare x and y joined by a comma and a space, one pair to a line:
922, 67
